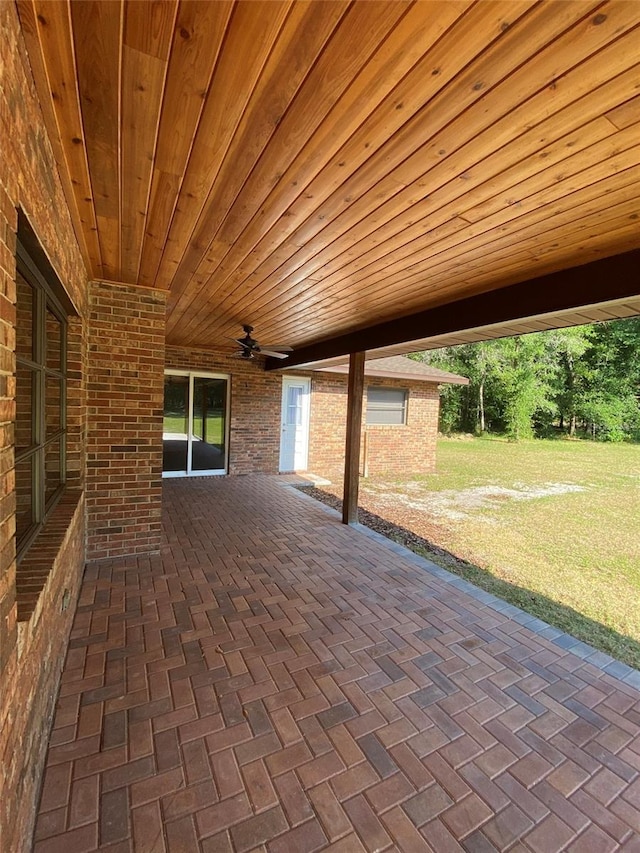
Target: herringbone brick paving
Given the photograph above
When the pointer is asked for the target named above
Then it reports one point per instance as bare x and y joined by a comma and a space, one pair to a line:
277, 682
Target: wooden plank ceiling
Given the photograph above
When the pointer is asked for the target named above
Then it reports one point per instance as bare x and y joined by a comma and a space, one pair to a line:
315, 168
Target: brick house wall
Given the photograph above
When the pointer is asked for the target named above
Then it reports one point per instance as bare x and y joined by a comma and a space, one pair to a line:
125, 401
254, 434
256, 399
328, 425
384, 450
33, 641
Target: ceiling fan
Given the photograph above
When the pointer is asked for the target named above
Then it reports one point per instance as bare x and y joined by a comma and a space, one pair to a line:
249, 346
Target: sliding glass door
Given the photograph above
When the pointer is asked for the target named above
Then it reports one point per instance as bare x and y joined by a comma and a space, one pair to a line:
194, 440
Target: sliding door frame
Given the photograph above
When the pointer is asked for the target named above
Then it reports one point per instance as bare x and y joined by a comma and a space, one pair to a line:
211, 472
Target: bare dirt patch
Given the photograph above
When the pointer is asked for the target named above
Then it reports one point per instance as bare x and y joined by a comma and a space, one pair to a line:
421, 544
459, 504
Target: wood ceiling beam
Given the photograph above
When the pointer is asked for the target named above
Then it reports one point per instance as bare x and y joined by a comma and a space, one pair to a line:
616, 277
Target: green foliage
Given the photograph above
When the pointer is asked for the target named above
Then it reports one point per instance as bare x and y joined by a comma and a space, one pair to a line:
525, 376
583, 380
612, 418
450, 409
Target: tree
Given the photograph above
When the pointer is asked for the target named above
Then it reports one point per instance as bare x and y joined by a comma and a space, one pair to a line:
525, 376
585, 377
611, 402
568, 347
464, 408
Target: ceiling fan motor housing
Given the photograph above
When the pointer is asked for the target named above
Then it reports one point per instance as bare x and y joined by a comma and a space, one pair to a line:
248, 341
250, 346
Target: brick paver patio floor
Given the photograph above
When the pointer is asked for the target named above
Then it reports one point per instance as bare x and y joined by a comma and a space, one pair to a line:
275, 681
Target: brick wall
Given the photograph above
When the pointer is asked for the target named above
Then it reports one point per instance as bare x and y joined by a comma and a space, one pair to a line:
254, 442
30, 681
32, 650
385, 450
255, 419
125, 391
328, 428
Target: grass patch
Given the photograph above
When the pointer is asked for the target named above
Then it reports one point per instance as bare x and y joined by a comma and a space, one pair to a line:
550, 526
214, 426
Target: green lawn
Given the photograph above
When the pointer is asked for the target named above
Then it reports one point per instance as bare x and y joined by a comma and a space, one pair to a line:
215, 426
552, 526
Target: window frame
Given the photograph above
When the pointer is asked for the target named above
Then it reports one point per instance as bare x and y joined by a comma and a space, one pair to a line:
387, 407
44, 300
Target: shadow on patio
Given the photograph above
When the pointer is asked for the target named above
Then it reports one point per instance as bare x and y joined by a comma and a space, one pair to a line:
276, 681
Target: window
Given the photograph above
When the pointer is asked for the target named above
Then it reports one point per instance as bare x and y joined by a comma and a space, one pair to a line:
386, 406
40, 426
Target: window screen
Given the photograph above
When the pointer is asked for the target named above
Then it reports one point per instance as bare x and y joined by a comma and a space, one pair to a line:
386, 406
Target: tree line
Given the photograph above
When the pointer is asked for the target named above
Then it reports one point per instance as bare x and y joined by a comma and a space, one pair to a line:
582, 381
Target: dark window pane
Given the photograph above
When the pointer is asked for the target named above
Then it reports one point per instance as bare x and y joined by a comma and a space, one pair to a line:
176, 406
25, 384
24, 497
25, 337
52, 469
53, 337
174, 454
40, 401
176, 423
209, 399
53, 405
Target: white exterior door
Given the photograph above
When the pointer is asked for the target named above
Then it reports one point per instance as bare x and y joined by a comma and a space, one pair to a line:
294, 436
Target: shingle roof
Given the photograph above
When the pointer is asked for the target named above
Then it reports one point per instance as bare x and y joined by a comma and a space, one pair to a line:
401, 367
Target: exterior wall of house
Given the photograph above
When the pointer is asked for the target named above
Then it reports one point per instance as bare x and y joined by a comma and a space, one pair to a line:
254, 441
328, 428
384, 450
256, 398
125, 399
33, 635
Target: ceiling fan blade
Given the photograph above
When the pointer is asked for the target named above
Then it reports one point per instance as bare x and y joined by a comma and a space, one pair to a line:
239, 341
272, 353
277, 348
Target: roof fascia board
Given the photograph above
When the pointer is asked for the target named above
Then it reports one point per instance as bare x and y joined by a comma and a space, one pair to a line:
429, 379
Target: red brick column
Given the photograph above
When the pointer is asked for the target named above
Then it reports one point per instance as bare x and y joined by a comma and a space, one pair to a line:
125, 401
